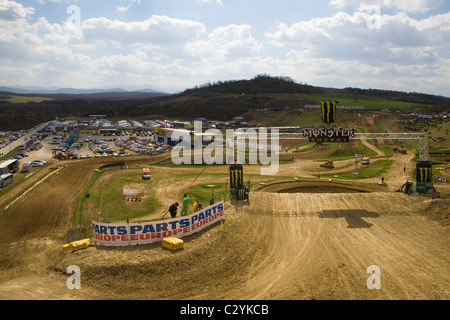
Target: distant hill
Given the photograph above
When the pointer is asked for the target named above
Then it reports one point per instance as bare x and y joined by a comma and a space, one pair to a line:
261, 84
224, 100
88, 93
221, 101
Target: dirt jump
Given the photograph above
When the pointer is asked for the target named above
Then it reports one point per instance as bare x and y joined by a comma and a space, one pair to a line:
318, 186
294, 240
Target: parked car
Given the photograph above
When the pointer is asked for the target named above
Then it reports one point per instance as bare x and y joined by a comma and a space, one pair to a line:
37, 163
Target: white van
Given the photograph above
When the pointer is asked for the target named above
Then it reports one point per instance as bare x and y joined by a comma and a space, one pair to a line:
26, 166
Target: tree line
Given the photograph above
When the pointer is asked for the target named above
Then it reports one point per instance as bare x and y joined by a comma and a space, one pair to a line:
220, 101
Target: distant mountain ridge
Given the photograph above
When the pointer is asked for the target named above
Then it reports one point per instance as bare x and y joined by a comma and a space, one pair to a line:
53, 90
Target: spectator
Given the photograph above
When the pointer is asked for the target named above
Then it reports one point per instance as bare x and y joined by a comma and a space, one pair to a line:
184, 209
173, 210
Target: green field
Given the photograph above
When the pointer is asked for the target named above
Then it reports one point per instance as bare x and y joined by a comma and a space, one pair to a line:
9, 154
203, 193
106, 194
23, 99
344, 154
368, 102
306, 118
19, 178
375, 169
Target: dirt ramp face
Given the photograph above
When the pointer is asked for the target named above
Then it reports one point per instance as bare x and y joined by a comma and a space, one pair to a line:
334, 204
321, 186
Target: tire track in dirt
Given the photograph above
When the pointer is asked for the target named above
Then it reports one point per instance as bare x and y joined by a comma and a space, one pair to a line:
269, 273
342, 254
49, 207
406, 250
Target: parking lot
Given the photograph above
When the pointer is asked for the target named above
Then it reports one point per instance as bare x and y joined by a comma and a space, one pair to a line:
89, 146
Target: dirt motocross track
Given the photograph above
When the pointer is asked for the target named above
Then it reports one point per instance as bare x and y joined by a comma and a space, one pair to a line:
283, 246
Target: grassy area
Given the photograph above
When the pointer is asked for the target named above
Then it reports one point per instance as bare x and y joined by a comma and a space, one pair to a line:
10, 153
19, 178
375, 169
368, 102
388, 150
307, 147
311, 118
78, 218
106, 194
221, 191
344, 154
441, 130
23, 99
203, 193
447, 151
106, 201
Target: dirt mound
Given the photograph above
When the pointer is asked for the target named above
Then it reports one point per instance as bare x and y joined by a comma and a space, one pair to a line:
438, 210
316, 203
317, 186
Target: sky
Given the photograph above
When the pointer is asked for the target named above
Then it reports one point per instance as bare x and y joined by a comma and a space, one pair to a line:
172, 45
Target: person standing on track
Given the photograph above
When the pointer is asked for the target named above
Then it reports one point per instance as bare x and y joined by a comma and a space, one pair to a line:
185, 208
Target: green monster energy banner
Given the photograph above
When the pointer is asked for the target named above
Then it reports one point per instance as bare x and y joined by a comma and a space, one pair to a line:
242, 193
236, 176
328, 108
423, 171
424, 175
238, 190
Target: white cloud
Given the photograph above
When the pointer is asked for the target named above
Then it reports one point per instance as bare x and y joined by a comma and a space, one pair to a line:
211, 1
171, 54
157, 30
403, 5
58, 1
159, 52
404, 53
128, 5
400, 39
13, 11
226, 43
